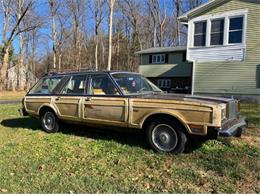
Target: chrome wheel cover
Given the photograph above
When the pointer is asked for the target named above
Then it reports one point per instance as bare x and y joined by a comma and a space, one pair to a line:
164, 137
49, 121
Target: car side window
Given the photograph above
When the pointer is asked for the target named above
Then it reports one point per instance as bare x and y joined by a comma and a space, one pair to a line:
46, 85
102, 85
75, 85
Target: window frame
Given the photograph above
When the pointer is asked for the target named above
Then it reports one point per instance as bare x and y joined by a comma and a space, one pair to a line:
226, 15
166, 82
243, 29
223, 32
89, 82
69, 77
160, 57
55, 90
196, 22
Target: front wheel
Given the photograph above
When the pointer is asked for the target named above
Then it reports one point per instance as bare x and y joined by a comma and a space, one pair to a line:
50, 122
166, 136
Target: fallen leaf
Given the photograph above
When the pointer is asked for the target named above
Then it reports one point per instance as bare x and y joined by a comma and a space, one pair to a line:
41, 167
3, 190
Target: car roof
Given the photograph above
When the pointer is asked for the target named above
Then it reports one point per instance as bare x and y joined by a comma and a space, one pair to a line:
87, 72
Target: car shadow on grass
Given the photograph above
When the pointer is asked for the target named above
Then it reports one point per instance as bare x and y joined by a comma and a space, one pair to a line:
131, 137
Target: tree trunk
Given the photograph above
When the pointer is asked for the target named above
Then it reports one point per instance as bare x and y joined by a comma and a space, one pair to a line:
6, 19
3, 71
177, 5
21, 71
161, 35
27, 66
33, 52
154, 36
53, 29
111, 9
59, 63
96, 56
103, 53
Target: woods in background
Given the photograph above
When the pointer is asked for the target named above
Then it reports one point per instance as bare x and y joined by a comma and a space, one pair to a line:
58, 35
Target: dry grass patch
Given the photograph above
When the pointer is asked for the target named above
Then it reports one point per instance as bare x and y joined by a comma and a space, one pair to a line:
12, 95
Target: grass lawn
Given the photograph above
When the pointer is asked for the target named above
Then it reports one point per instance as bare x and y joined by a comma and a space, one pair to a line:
80, 159
12, 95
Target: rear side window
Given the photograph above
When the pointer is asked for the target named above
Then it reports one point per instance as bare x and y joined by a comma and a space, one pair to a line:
76, 85
46, 85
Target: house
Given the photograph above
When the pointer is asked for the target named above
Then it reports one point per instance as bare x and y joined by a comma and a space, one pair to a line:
26, 77
224, 46
167, 67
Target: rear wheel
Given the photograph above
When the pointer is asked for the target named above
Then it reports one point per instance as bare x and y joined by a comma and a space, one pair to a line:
166, 136
50, 122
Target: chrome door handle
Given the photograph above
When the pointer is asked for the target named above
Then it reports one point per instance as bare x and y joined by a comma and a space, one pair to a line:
57, 98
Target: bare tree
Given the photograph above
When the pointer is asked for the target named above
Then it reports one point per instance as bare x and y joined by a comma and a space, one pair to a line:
21, 75
98, 18
53, 6
154, 21
77, 10
6, 6
177, 11
111, 4
6, 49
159, 16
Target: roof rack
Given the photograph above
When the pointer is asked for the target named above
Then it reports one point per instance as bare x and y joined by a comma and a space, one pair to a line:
53, 71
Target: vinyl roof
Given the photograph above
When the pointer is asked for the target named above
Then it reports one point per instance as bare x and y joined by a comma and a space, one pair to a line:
162, 50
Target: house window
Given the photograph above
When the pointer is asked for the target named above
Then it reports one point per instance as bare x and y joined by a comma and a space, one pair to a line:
158, 59
200, 33
220, 29
235, 30
217, 32
164, 83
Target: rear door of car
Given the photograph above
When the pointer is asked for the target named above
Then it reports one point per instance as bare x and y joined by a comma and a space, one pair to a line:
104, 102
68, 100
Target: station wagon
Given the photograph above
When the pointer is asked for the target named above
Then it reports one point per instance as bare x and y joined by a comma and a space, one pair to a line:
129, 100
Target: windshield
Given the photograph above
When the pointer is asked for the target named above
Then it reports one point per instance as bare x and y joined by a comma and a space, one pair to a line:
134, 84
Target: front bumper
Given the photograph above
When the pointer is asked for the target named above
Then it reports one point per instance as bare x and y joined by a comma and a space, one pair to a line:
233, 127
22, 112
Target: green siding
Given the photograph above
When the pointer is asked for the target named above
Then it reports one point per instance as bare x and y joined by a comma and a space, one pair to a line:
234, 77
174, 68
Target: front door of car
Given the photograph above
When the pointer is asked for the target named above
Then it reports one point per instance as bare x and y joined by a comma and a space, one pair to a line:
68, 101
104, 104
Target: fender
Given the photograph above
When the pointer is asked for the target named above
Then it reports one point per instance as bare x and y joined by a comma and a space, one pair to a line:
51, 106
170, 113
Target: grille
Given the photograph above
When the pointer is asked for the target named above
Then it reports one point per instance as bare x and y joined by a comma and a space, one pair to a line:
232, 109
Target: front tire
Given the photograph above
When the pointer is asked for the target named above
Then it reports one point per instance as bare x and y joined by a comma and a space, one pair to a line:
50, 122
166, 136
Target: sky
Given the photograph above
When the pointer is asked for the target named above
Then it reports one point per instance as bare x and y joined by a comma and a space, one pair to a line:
41, 7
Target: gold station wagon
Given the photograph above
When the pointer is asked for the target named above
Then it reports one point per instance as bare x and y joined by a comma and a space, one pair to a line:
125, 99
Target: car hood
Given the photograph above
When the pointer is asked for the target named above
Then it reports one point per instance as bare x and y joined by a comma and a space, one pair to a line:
182, 97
